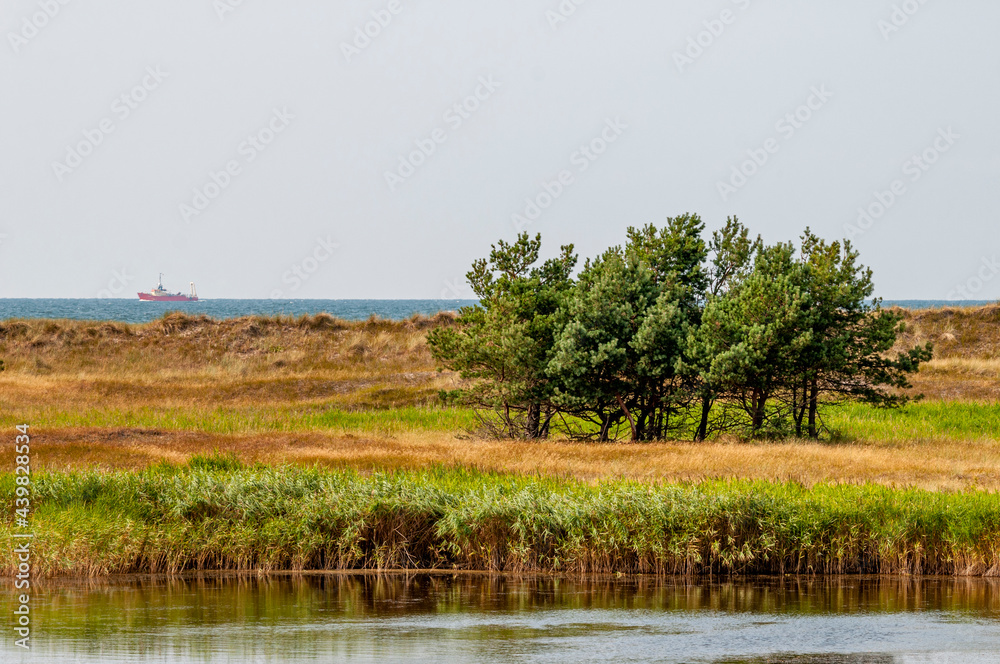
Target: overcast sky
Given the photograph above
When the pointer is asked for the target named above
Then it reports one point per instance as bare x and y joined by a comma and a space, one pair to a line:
373, 149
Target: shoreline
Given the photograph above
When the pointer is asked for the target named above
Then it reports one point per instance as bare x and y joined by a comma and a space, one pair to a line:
486, 575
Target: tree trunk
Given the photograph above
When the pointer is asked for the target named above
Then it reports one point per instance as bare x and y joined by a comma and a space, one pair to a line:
795, 409
631, 422
813, 407
605, 426
757, 403
799, 406
543, 431
647, 427
706, 408
642, 425
534, 420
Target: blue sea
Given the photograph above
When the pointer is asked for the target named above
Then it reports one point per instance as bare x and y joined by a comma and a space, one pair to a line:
135, 311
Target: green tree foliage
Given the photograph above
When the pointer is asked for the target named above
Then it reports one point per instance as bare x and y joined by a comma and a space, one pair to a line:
732, 251
674, 255
755, 332
847, 356
615, 357
670, 335
624, 328
502, 345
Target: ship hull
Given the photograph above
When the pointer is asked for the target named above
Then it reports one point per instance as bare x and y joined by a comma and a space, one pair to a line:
167, 298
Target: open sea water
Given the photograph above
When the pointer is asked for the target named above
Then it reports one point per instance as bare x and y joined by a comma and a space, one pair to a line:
136, 311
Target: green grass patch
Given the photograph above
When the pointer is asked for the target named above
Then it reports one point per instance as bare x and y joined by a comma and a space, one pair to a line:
957, 420
921, 420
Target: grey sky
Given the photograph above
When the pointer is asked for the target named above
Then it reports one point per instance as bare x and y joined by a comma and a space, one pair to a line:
198, 80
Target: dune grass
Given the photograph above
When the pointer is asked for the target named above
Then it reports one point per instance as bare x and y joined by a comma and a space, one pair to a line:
217, 514
938, 465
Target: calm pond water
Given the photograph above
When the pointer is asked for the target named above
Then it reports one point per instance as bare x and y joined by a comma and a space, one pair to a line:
470, 618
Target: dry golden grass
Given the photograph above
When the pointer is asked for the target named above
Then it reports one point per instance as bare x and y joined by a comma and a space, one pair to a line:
956, 332
959, 379
966, 364
195, 361
934, 464
178, 345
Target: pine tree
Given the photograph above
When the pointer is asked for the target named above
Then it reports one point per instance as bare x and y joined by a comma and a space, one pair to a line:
656, 337
733, 253
751, 336
503, 344
615, 357
851, 336
624, 329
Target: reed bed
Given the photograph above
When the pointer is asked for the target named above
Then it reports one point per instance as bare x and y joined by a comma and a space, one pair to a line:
217, 514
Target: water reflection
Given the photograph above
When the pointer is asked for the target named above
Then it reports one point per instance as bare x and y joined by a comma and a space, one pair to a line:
463, 617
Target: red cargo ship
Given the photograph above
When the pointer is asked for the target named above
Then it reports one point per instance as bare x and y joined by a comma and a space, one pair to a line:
160, 294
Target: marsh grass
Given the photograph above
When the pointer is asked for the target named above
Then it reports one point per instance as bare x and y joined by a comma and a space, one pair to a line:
216, 514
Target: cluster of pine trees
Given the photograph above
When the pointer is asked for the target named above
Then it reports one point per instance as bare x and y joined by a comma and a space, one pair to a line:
674, 337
